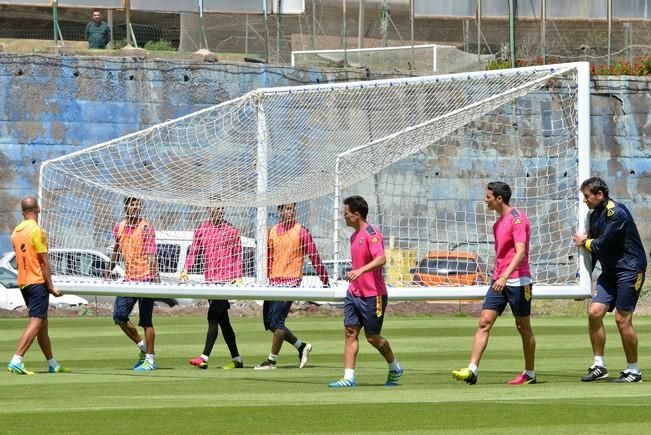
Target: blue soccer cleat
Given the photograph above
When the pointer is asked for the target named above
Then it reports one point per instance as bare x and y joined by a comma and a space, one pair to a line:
343, 383
393, 377
146, 367
18, 369
57, 369
141, 359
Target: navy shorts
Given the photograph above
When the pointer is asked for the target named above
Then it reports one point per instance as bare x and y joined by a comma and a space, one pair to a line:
367, 312
517, 297
124, 305
37, 299
274, 314
619, 290
217, 309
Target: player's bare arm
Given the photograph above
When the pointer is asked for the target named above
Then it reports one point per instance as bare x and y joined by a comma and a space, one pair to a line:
500, 283
44, 262
377, 263
113, 261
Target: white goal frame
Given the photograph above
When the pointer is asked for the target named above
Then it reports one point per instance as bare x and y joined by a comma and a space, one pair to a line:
337, 290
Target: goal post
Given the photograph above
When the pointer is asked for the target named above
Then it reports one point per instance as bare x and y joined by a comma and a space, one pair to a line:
422, 59
420, 150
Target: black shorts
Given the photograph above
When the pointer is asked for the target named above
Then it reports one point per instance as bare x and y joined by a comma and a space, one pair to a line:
217, 308
619, 290
274, 314
37, 299
367, 312
518, 297
124, 305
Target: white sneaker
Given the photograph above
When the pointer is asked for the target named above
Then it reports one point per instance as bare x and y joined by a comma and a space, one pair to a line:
266, 365
304, 355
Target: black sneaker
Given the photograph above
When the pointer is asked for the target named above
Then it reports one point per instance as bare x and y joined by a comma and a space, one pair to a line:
595, 373
266, 365
626, 377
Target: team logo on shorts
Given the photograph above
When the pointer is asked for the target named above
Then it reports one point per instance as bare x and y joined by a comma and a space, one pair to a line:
527, 292
638, 282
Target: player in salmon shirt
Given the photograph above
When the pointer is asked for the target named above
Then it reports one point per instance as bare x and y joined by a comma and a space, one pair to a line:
289, 243
135, 241
511, 284
35, 282
366, 299
220, 246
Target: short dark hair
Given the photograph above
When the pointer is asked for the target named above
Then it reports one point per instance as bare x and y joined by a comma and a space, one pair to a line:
357, 204
595, 185
129, 199
282, 206
499, 188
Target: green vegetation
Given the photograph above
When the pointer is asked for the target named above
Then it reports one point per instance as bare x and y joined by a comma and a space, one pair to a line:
639, 66
103, 395
160, 45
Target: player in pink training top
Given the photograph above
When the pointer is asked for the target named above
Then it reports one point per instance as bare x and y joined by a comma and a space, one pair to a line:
366, 299
220, 246
511, 284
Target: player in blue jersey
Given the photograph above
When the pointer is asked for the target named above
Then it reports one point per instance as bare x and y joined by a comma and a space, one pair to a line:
614, 241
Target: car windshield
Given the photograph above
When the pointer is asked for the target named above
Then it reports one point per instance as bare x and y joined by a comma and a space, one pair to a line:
447, 266
77, 263
345, 266
8, 278
167, 255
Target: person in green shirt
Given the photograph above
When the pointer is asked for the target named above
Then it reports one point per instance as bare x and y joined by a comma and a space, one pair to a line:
97, 32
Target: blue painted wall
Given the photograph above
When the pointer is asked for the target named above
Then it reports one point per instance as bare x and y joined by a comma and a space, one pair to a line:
53, 105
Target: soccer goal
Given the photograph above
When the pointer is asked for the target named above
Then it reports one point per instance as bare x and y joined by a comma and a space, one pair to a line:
420, 150
424, 59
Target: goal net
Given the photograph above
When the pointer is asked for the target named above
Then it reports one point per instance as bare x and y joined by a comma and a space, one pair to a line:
422, 59
211, 193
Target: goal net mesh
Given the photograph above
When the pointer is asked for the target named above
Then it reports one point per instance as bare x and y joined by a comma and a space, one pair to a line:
419, 150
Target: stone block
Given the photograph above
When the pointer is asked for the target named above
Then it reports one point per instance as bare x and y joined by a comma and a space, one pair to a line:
204, 55
133, 52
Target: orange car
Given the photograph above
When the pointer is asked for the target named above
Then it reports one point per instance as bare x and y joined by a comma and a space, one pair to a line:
450, 268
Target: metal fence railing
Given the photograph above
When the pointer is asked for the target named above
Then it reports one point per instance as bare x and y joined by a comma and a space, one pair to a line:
384, 23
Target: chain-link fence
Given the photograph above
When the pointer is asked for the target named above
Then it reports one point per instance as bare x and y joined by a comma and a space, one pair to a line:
323, 25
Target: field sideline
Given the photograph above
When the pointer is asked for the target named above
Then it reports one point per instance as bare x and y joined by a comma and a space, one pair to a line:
103, 395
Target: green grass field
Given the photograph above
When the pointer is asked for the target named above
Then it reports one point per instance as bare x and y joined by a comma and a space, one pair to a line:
103, 395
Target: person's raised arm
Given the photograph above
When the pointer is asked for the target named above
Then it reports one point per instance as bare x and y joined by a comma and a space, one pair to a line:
310, 249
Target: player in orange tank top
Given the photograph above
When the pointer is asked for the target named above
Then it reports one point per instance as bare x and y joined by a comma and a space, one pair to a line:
288, 244
135, 242
35, 282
